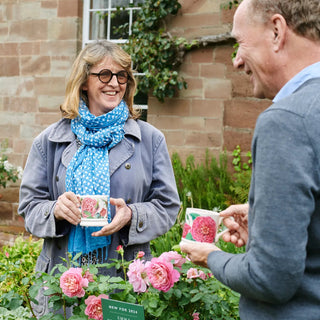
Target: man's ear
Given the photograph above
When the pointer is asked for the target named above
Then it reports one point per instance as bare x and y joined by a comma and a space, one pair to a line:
279, 26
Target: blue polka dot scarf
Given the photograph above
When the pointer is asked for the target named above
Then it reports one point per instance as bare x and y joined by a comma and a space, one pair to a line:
88, 171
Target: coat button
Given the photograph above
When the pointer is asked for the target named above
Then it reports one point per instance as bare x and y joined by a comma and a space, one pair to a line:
127, 165
57, 178
140, 224
128, 201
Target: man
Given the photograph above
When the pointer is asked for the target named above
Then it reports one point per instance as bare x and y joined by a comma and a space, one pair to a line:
279, 275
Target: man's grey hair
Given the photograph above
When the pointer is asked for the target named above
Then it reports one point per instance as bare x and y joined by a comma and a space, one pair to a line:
302, 16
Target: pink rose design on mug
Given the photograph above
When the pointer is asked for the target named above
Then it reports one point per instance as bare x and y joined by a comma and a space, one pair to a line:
186, 230
88, 207
204, 229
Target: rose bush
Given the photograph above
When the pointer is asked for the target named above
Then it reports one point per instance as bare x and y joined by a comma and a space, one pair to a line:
168, 287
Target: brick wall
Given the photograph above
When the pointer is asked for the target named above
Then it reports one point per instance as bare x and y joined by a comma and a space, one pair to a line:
39, 40
217, 111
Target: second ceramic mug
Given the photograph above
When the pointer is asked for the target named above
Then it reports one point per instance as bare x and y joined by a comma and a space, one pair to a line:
202, 226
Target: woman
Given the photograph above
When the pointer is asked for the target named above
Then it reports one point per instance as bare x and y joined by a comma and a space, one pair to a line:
98, 147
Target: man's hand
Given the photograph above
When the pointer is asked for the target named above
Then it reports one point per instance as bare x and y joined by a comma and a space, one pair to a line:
198, 252
237, 225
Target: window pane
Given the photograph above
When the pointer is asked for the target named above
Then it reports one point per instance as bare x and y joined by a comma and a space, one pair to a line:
98, 26
98, 4
119, 18
137, 2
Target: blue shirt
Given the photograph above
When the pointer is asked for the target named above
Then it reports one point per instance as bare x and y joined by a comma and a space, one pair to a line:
310, 72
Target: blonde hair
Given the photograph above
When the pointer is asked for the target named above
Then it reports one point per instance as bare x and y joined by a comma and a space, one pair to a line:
89, 56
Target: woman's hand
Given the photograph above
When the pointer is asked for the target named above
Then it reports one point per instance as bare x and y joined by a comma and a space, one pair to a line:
122, 218
67, 208
238, 225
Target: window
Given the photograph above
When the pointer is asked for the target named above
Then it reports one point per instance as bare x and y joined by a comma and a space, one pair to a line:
101, 17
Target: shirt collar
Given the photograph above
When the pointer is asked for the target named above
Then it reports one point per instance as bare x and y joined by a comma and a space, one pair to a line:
310, 72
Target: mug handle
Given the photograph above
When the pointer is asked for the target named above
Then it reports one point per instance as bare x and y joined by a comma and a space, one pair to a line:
218, 235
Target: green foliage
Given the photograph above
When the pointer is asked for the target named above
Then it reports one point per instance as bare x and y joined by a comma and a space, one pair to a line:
17, 262
8, 172
154, 51
242, 176
20, 313
233, 3
205, 185
203, 294
208, 186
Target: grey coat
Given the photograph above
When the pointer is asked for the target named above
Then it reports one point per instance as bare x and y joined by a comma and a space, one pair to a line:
140, 172
279, 275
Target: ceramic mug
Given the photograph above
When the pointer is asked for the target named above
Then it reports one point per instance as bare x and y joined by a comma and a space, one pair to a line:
202, 226
94, 210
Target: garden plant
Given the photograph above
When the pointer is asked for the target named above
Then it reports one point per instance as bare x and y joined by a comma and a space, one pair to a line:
186, 290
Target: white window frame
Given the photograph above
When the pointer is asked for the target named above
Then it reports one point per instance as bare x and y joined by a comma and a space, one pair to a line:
86, 20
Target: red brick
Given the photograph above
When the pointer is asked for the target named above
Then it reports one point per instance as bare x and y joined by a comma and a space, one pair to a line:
217, 89
31, 65
70, 8
243, 113
5, 210
9, 66
48, 86
216, 70
232, 138
49, 4
29, 30
241, 85
47, 119
9, 194
203, 55
20, 104
8, 49
223, 54
179, 107
227, 15
29, 48
211, 108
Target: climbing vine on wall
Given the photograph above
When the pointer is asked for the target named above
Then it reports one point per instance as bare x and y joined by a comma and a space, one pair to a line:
155, 52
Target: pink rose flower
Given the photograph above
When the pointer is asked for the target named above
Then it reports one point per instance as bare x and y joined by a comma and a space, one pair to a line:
72, 283
89, 205
186, 229
88, 275
202, 275
174, 257
161, 274
192, 273
196, 316
204, 229
137, 275
7, 254
103, 212
94, 307
140, 254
